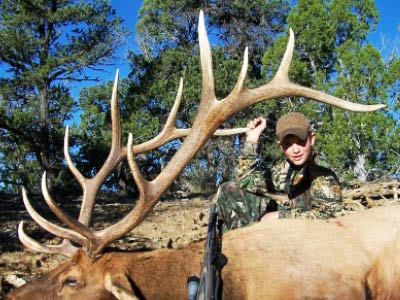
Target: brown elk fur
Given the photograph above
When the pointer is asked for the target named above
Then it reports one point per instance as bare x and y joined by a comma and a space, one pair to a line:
384, 278
353, 257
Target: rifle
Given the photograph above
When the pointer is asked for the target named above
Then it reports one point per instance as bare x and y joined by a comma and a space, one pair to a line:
210, 286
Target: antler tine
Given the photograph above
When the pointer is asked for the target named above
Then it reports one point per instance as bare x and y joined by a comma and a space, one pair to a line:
170, 132
207, 90
77, 174
50, 227
80, 232
174, 111
281, 86
116, 140
90, 186
149, 191
283, 71
332, 100
114, 157
65, 248
241, 84
142, 184
62, 215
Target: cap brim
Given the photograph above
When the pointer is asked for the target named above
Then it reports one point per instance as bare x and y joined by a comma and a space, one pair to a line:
301, 133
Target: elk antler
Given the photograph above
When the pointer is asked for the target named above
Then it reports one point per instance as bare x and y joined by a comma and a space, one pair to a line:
90, 186
211, 114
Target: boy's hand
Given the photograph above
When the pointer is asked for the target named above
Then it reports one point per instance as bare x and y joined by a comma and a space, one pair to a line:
256, 126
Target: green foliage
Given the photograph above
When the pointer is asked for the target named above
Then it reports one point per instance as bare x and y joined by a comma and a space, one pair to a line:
166, 24
234, 24
45, 45
248, 23
315, 34
353, 20
331, 43
367, 140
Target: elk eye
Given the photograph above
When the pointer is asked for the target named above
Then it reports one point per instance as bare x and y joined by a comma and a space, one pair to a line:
71, 282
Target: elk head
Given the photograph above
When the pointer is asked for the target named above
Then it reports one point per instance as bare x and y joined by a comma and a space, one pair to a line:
211, 114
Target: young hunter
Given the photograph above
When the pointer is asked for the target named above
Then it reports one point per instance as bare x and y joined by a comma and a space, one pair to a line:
312, 190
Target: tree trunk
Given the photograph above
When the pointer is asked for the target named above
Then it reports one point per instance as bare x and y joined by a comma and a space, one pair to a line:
45, 135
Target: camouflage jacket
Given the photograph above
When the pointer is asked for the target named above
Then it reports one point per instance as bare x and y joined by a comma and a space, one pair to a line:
313, 191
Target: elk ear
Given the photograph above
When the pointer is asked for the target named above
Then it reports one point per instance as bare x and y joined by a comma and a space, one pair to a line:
119, 286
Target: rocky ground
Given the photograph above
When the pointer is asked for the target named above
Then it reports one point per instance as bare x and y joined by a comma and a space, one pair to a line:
174, 222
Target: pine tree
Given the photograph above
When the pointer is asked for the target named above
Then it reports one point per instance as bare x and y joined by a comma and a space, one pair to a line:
45, 46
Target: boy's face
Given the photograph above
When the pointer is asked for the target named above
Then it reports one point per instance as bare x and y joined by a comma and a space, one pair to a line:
297, 150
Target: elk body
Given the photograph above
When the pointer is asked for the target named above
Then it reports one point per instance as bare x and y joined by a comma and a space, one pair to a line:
286, 259
296, 259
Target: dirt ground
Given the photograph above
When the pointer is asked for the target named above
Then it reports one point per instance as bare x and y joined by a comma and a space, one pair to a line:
173, 223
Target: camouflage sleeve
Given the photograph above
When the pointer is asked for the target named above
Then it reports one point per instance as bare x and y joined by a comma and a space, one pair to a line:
249, 176
279, 173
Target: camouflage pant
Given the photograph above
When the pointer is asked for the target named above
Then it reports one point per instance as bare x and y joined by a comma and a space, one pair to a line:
239, 208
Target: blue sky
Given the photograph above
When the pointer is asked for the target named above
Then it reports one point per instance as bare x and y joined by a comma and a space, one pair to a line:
129, 9
388, 24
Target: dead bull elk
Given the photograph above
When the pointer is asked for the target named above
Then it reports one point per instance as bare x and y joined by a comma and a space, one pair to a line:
281, 260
